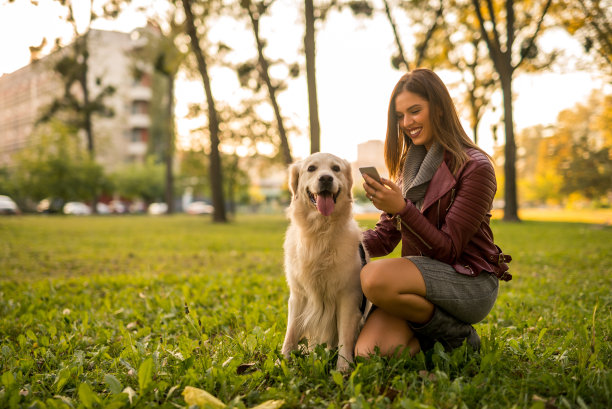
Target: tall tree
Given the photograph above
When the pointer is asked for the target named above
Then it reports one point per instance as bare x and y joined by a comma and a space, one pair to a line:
311, 77
506, 59
216, 176
255, 10
72, 65
162, 49
311, 14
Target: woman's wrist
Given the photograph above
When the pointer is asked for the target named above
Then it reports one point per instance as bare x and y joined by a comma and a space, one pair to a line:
400, 207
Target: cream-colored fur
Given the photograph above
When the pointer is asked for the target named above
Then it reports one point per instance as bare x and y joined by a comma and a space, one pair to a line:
322, 261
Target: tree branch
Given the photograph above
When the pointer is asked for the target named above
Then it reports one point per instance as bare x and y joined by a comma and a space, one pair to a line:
423, 46
535, 34
494, 23
396, 35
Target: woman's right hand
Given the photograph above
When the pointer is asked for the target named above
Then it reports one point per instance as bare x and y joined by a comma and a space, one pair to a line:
386, 196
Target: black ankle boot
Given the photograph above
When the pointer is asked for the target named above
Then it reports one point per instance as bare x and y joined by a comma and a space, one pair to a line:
447, 330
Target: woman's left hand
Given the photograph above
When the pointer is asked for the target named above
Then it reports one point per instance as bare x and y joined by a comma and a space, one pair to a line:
386, 196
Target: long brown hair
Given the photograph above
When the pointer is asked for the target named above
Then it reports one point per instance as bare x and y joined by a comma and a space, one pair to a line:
445, 124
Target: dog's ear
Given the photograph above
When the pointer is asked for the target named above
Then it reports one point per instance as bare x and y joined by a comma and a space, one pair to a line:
348, 174
294, 173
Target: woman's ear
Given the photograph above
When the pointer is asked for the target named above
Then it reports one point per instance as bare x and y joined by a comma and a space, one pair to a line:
294, 173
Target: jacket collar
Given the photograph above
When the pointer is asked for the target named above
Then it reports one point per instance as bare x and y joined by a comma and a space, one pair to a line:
441, 182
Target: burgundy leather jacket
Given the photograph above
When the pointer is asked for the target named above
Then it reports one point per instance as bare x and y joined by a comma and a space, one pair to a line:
453, 226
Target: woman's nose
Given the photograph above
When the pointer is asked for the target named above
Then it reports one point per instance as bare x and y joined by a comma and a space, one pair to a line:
406, 121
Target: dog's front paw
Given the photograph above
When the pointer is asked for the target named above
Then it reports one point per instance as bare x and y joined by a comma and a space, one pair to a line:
343, 365
286, 352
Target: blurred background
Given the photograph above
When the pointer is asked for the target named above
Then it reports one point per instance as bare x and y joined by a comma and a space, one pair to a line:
142, 106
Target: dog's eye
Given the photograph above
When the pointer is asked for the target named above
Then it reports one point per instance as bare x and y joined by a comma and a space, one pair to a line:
336, 168
312, 168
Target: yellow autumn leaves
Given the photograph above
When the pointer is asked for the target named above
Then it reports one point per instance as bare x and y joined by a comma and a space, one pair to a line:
204, 400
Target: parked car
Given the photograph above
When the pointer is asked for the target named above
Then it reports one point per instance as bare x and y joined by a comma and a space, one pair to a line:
102, 208
8, 206
158, 208
77, 208
199, 208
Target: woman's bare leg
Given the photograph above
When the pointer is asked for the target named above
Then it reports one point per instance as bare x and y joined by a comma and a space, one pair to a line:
397, 287
387, 332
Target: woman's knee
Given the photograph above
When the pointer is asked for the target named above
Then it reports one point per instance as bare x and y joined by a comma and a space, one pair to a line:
381, 280
373, 282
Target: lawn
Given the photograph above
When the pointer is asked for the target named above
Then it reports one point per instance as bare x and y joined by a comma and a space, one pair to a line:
129, 311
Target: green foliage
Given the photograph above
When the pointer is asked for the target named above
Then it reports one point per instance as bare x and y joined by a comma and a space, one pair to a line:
140, 180
57, 166
128, 311
588, 170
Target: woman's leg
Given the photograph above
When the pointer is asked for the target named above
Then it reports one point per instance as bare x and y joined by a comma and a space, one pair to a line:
387, 332
397, 287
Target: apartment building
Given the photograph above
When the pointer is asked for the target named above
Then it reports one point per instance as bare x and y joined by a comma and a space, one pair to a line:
120, 139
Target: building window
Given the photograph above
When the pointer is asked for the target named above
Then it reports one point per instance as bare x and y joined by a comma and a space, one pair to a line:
140, 107
143, 79
140, 135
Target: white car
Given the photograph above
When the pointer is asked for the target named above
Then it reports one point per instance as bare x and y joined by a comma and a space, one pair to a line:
199, 208
8, 206
77, 208
158, 208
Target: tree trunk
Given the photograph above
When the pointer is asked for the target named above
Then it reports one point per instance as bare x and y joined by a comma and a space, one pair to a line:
216, 180
87, 122
311, 78
511, 202
265, 76
170, 145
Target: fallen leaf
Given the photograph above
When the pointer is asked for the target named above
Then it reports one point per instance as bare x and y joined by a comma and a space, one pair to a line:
270, 404
131, 393
201, 398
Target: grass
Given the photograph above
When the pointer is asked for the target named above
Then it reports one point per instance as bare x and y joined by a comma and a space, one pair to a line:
128, 311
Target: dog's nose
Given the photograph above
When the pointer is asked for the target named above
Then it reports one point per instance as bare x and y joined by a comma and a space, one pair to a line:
326, 181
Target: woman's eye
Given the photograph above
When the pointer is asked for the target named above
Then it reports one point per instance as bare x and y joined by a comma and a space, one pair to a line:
336, 168
312, 168
415, 111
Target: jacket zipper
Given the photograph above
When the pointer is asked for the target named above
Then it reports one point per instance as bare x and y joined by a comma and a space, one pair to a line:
452, 199
401, 222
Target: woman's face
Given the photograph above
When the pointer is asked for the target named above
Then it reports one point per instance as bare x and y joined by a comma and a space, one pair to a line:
412, 114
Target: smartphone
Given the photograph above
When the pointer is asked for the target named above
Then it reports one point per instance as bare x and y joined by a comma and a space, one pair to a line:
371, 172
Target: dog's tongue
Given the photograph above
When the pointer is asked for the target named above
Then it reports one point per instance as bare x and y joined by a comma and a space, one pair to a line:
325, 204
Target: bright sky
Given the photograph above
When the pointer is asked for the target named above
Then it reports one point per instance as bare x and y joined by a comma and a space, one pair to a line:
354, 76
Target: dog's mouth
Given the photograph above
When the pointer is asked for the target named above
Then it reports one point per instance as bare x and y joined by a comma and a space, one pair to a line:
324, 201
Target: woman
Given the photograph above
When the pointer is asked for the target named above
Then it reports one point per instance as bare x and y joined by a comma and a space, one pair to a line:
447, 278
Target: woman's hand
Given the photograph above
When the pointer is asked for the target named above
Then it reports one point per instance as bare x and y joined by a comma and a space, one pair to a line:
386, 196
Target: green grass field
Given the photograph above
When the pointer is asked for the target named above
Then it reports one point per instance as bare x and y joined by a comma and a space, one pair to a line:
128, 311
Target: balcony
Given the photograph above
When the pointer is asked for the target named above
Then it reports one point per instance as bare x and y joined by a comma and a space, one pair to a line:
139, 121
140, 92
138, 149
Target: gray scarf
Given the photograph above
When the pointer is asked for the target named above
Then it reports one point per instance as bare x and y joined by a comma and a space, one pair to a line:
419, 168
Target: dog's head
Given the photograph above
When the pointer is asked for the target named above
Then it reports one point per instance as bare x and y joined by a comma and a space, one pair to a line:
323, 182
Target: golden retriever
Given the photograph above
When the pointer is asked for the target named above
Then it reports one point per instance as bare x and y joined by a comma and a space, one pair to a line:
322, 257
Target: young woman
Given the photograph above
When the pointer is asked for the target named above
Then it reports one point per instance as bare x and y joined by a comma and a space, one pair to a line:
447, 277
